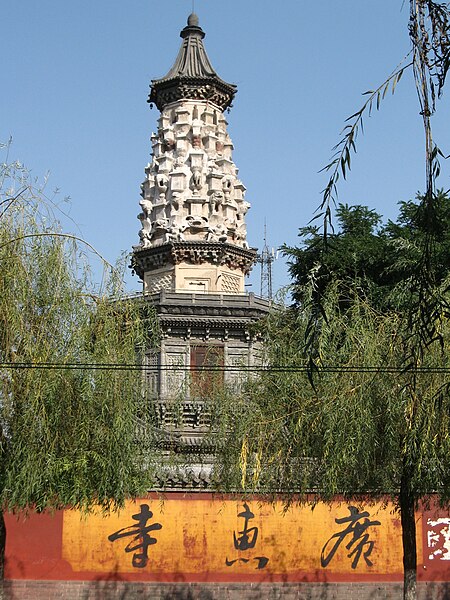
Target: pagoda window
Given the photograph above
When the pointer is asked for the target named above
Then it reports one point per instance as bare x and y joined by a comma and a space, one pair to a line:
207, 373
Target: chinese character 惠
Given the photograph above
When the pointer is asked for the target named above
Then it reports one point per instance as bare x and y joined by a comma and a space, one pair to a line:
248, 536
141, 539
246, 540
356, 536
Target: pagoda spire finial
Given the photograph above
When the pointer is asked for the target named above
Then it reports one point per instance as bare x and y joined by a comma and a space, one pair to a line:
193, 19
192, 76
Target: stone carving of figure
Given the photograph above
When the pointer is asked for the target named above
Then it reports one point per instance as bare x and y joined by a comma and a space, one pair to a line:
197, 178
242, 209
180, 160
161, 182
146, 232
241, 235
211, 165
146, 206
169, 138
159, 227
169, 145
215, 201
160, 224
227, 186
175, 204
217, 234
175, 233
196, 223
196, 141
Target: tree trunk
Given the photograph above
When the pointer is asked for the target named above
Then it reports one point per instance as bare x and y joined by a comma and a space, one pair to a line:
408, 519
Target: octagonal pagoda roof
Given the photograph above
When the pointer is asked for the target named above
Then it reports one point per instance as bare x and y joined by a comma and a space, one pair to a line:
192, 76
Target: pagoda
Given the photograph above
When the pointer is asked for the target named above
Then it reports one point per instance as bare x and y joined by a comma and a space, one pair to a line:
193, 255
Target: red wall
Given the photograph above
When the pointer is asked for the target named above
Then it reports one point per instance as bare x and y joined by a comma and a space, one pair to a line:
38, 547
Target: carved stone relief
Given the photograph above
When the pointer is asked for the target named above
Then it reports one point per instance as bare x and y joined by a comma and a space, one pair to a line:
191, 191
230, 283
158, 281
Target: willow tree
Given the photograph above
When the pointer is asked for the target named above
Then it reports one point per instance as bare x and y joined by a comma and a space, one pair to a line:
428, 305
376, 419
73, 432
354, 432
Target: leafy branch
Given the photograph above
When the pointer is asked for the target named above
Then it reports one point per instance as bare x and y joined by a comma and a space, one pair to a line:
67, 236
340, 165
21, 195
10, 200
429, 31
341, 160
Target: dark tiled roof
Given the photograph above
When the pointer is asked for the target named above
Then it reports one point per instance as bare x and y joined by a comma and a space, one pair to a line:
192, 76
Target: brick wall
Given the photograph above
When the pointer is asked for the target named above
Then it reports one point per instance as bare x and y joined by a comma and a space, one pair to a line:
105, 590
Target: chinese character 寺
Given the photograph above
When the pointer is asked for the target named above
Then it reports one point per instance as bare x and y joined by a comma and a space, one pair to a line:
141, 539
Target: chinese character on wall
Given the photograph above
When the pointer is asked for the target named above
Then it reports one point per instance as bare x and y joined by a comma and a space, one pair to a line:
140, 538
245, 540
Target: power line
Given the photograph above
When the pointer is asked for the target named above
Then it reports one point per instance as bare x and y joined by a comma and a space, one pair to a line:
221, 368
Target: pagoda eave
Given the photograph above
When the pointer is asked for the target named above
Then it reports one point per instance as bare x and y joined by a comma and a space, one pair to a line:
164, 92
195, 253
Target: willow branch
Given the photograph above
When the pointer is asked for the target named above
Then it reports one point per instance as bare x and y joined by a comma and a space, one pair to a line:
59, 235
341, 160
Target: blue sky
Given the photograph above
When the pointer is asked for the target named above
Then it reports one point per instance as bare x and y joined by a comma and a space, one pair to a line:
75, 79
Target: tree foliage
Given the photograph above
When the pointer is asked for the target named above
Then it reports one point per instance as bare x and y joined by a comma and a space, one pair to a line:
368, 428
379, 257
370, 331
353, 431
71, 423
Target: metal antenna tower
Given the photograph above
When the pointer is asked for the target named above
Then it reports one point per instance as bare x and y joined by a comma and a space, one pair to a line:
266, 259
